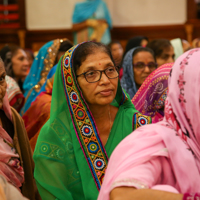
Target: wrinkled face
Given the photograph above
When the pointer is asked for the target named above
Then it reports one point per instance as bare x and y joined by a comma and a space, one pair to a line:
3, 84
167, 56
117, 53
141, 75
20, 64
103, 91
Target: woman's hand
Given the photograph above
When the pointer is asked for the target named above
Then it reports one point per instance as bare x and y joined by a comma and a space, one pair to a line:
130, 193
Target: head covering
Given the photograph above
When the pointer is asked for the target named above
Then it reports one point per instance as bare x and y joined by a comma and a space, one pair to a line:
10, 166
85, 10
151, 96
40, 68
70, 138
134, 42
49, 78
178, 47
176, 138
15, 96
127, 81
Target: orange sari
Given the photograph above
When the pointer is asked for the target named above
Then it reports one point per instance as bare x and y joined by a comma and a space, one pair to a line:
36, 116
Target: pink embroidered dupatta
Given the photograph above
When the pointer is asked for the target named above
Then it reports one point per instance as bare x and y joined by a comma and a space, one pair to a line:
176, 138
9, 159
151, 96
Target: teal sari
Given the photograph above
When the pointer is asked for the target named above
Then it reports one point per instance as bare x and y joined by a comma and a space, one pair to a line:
70, 159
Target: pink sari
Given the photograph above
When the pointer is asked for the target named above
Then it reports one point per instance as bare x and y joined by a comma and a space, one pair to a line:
167, 154
15, 96
151, 96
10, 166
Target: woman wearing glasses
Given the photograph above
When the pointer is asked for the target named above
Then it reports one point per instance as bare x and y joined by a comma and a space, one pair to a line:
90, 114
137, 64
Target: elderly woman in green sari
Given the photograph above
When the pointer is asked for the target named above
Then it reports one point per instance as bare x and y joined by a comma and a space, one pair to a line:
90, 115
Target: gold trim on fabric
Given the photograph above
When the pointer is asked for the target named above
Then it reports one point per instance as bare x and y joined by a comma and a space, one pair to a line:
49, 62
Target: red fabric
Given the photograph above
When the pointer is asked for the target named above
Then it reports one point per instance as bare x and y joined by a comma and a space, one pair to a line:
15, 99
36, 116
120, 73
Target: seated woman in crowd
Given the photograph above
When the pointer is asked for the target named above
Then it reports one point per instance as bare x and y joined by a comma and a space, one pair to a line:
117, 54
162, 160
16, 65
137, 64
46, 58
88, 109
150, 98
163, 50
16, 163
39, 112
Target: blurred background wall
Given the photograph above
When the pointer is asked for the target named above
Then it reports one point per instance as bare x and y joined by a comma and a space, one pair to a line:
44, 20
48, 14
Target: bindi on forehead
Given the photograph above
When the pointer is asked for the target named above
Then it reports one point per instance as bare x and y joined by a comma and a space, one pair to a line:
99, 63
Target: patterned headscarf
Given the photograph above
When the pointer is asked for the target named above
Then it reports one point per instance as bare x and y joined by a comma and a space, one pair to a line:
40, 68
150, 98
182, 108
127, 81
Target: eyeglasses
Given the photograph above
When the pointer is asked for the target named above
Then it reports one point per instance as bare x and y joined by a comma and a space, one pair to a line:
141, 66
95, 75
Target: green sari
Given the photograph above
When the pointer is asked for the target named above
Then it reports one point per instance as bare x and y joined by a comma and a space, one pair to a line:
70, 159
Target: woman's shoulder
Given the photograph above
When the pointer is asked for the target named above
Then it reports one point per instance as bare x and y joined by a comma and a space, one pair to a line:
131, 116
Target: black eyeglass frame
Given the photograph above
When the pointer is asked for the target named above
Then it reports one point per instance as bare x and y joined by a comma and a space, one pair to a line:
101, 71
135, 65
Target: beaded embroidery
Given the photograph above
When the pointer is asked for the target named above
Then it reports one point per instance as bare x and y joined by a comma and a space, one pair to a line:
84, 124
140, 120
49, 62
